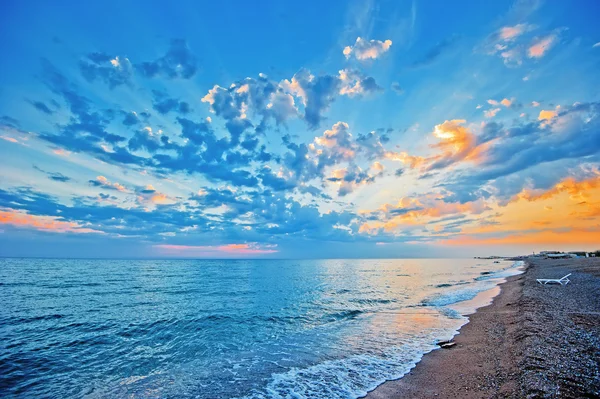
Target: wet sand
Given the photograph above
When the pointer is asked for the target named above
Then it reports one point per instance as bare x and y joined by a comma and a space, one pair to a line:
533, 341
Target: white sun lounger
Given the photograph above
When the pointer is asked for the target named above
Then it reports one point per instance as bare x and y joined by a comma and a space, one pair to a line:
562, 281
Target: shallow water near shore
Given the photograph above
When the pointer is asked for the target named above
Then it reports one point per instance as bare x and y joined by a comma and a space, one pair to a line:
228, 328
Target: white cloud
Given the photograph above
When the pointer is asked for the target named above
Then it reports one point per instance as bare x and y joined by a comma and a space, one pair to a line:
367, 49
491, 113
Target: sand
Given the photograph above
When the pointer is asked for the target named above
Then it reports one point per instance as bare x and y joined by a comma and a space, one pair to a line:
533, 341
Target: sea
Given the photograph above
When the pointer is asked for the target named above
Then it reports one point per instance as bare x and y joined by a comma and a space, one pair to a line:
74, 328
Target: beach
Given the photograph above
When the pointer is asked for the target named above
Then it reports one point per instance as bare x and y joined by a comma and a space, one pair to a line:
532, 341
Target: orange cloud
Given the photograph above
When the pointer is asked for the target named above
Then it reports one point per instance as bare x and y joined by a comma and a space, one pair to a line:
541, 46
10, 139
546, 115
491, 113
103, 181
418, 211
151, 195
229, 249
509, 33
409, 160
577, 190
42, 223
161, 198
457, 142
61, 152
571, 237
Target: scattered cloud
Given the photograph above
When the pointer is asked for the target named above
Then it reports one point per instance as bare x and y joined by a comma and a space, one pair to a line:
42, 223
367, 49
56, 176
102, 181
541, 46
178, 62
113, 71
510, 33
397, 88
203, 250
491, 112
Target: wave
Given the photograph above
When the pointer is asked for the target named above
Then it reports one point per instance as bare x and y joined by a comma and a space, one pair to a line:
481, 283
349, 377
449, 298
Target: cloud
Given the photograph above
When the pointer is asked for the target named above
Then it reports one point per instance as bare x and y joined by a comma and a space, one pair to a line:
149, 195
338, 140
353, 83
206, 250
56, 176
577, 190
510, 33
575, 237
417, 211
572, 132
40, 106
21, 219
251, 98
505, 43
132, 118
364, 50
218, 159
457, 143
316, 92
114, 72
491, 112
397, 88
86, 129
177, 63
164, 104
541, 46
102, 181
505, 102
10, 139
336, 156
352, 177
546, 115
409, 160
255, 102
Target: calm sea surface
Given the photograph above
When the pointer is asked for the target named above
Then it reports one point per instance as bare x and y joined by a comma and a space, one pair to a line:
226, 328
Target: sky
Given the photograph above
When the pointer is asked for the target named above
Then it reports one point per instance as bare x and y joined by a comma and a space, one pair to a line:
340, 129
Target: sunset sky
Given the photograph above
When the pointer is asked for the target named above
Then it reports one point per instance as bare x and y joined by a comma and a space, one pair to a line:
292, 130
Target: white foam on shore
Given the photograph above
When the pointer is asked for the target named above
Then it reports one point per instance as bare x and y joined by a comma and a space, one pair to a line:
351, 377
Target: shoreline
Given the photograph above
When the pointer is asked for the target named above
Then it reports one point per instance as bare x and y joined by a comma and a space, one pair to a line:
531, 341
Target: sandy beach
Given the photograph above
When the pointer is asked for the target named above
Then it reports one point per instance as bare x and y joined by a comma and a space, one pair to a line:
533, 341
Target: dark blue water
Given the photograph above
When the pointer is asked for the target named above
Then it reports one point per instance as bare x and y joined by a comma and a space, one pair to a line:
226, 328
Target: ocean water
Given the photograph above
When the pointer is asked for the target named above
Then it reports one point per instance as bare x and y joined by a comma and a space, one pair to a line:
227, 328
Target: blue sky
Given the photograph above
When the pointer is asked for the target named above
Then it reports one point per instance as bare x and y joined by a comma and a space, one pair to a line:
337, 129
